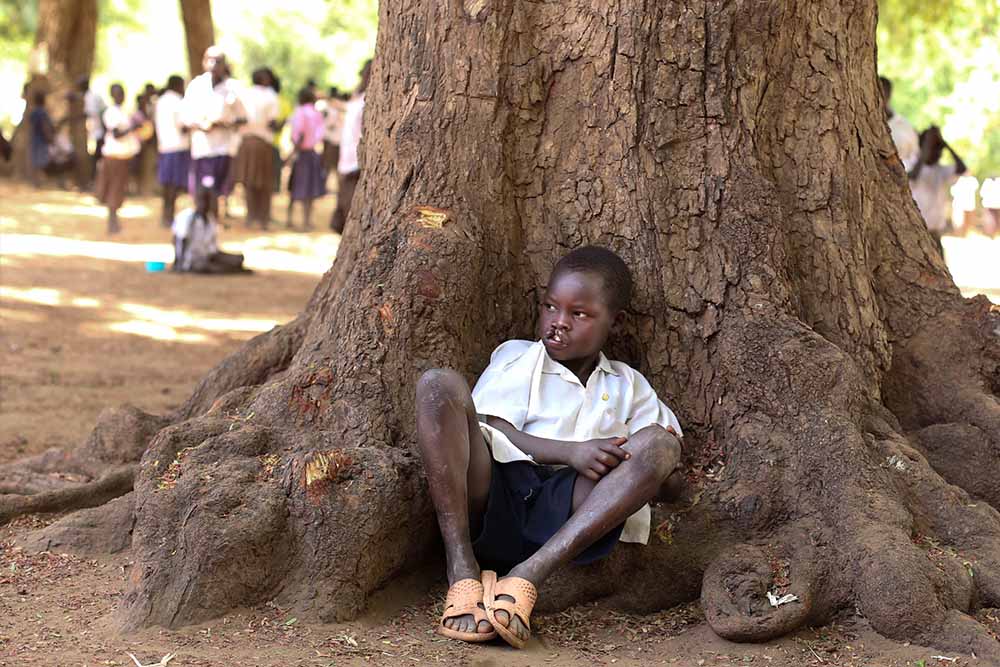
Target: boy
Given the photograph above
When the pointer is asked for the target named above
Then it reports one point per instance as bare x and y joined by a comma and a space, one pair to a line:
489, 454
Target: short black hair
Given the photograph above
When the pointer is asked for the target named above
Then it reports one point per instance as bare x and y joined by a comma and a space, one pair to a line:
175, 81
606, 264
886, 84
306, 96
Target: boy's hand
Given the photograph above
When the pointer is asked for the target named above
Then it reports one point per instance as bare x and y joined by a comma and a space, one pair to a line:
595, 458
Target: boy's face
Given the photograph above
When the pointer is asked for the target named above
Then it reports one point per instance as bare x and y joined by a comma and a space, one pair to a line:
574, 316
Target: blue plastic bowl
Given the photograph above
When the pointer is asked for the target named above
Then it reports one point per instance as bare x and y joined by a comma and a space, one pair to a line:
153, 267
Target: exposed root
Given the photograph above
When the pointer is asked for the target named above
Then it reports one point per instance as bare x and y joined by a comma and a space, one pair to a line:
98, 530
112, 484
735, 589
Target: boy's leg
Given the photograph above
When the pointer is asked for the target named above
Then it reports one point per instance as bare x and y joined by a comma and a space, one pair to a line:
611, 500
458, 465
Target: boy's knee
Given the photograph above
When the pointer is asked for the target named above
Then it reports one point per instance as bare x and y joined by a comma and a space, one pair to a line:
439, 386
656, 449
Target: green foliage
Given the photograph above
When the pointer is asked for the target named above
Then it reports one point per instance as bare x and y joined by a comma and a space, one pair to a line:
294, 59
944, 61
18, 21
325, 40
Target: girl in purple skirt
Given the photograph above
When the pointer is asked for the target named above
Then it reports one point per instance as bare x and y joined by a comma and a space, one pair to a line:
307, 180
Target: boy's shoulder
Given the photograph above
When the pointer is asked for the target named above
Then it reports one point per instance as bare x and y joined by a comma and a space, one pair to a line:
511, 350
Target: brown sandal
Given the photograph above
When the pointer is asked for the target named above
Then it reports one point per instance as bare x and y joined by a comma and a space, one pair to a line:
524, 594
465, 598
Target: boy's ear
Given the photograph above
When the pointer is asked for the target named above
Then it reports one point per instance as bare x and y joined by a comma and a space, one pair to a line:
618, 320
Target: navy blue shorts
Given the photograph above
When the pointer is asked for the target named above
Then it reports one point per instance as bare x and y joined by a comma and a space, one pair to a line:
528, 503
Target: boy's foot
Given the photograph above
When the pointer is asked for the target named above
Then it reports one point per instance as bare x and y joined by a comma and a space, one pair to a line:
513, 599
464, 615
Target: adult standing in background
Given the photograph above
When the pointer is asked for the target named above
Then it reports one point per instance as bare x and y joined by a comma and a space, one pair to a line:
173, 144
255, 161
213, 112
903, 135
348, 169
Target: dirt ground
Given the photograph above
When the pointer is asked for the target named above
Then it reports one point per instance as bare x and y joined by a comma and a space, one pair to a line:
84, 325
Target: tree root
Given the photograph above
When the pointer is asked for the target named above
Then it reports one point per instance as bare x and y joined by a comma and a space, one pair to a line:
98, 530
252, 364
112, 484
734, 595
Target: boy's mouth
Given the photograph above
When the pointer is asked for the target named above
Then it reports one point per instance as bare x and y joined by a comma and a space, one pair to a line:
557, 338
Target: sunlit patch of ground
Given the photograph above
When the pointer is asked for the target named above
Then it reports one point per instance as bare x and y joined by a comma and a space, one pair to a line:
84, 326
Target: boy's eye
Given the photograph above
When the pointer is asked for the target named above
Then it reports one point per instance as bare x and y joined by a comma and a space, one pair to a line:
548, 306
579, 313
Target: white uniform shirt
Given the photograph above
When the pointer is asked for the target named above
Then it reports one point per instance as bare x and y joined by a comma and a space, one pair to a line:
932, 192
93, 108
541, 397
261, 105
202, 238
205, 104
123, 147
350, 135
168, 120
906, 140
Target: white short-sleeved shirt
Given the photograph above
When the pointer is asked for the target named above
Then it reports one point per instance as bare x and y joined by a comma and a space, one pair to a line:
932, 192
906, 140
201, 237
205, 104
350, 135
541, 397
261, 105
93, 108
125, 146
168, 121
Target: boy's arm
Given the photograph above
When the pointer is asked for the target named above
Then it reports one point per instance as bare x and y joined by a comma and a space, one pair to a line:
591, 458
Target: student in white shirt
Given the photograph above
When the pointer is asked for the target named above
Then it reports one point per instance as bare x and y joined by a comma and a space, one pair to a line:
196, 244
213, 111
348, 168
255, 161
121, 144
552, 457
173, 146
931, 181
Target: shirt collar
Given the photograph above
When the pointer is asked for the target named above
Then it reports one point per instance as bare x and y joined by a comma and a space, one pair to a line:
553, 367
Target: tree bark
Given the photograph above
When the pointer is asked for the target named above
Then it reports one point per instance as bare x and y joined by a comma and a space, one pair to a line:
199, 31
790, 306
63, 54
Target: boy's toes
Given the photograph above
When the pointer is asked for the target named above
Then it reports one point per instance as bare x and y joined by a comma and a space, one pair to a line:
502, 617
484, 627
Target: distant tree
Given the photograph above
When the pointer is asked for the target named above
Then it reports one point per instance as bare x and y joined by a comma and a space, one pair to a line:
199, 31
63, 53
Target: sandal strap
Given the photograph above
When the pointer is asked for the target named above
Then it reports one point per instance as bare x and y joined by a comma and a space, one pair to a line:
524, 594
463, 599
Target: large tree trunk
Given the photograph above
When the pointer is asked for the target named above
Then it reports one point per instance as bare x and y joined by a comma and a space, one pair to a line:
199, 31
63, 54
839, 395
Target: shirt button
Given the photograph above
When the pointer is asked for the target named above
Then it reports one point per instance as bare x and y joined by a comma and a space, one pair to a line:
604, 397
